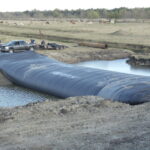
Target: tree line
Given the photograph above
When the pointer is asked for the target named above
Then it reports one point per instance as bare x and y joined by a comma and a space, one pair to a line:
117, 13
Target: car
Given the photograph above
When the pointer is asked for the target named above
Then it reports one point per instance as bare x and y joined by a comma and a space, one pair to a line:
17, 45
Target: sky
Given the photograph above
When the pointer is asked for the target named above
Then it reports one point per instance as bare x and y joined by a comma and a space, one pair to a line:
22, 5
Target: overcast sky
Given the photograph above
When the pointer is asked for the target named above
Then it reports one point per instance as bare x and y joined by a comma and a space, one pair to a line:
21, 5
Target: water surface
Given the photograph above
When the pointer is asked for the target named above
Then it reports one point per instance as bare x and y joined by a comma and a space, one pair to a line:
119, 65
11, 96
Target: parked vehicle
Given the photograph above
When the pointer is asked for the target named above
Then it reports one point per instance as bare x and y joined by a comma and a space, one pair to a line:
17, 45
55, 46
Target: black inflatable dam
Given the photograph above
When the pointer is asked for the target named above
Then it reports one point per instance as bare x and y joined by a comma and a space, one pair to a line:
41, 73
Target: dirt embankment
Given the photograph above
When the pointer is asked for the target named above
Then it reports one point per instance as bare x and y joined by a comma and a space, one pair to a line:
4, 81
80, 54
139, 60
76, 123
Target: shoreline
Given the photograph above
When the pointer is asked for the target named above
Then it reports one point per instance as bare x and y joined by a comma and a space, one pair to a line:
80, 54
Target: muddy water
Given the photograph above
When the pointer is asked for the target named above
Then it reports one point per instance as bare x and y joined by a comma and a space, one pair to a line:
11, 96
119, 65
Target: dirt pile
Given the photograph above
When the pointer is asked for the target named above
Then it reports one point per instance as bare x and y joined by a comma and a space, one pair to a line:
76, 123
121, 32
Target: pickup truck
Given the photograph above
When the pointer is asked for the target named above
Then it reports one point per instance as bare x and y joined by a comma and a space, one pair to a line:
17, 45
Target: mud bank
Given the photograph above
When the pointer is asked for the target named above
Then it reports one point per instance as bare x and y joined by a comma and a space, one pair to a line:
80, 54
76, 123
4, 81
139, 60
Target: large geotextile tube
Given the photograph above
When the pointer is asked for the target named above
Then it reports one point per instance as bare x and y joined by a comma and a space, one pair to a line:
35, 71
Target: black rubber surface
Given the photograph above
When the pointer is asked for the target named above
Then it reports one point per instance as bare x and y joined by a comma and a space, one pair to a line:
41, 73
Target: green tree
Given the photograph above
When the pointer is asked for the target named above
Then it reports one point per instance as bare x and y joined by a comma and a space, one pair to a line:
92, 14
57, 13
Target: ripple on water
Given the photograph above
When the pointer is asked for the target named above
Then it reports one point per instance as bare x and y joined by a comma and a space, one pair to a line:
11, 96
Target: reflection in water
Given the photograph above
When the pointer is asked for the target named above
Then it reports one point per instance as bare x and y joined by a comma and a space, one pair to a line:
11, 96
119, 65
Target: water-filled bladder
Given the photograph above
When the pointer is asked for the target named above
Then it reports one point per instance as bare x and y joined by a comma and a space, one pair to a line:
35, 71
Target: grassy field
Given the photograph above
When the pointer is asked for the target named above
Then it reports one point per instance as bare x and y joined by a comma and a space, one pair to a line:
133, 33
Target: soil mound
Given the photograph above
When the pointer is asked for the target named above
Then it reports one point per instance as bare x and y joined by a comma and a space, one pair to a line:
120, 32
76, 123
